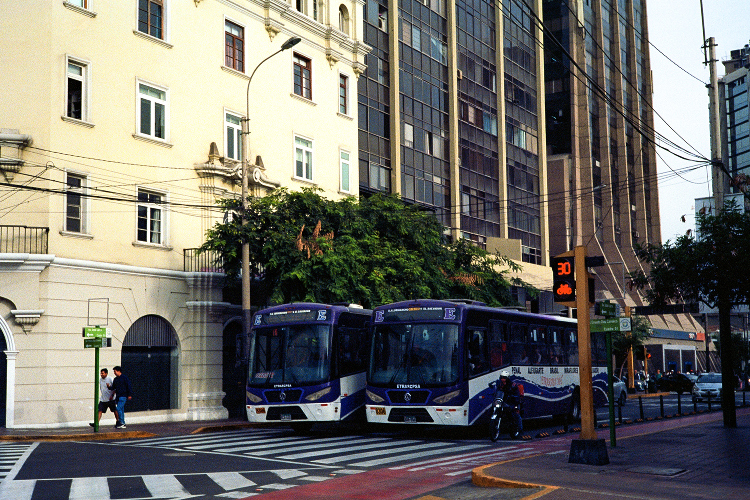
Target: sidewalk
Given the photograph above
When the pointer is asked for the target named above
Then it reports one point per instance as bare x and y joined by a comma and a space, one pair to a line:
684, 458
137, 430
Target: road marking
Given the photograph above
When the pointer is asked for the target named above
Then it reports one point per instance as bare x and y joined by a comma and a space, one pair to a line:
21, 460
17, 490
166, 486
368, 454
409, 456
370, 446
230, 480
85, 488
288, 473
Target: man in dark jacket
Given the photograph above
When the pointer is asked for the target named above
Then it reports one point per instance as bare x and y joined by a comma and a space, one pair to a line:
121, 386
512, 398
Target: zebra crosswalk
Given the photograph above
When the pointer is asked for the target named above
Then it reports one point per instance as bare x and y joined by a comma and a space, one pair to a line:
357, 451
12, 455
289, 461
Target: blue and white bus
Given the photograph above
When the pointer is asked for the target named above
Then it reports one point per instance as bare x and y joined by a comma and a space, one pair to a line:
307, 364
431, 362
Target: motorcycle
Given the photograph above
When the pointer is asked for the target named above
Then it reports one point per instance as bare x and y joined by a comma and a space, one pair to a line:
501, 417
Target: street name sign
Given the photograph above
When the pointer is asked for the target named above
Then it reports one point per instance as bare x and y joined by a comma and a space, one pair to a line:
95, 331
90, 342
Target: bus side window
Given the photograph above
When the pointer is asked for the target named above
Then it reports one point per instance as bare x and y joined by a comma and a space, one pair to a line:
476, 351
553, 340
498, 341
571, 344
519, 355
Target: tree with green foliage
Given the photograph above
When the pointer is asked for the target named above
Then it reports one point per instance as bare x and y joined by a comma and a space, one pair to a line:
711, 268
304, 247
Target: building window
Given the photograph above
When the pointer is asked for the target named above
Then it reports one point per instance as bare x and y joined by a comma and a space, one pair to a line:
345, 163
301, 6
75, 105
151, 18
74, 203
152, 112
235, 46
316, 10
303, 158
408, 135
343, 94
84, 4
302, 76
233, 125
150, 217
343, 19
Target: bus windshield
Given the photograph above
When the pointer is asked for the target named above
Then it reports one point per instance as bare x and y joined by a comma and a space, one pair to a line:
424, 354
293, 354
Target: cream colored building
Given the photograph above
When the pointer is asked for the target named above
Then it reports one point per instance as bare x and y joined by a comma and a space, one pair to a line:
119, 128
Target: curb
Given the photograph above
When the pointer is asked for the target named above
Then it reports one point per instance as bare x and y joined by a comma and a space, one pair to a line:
223, 427
80, 437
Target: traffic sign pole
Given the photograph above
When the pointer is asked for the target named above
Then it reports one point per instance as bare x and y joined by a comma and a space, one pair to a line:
584, 345
611, 392
96, 389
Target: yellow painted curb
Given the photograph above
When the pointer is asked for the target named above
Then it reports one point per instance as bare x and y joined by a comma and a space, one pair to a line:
479, 478
80, 437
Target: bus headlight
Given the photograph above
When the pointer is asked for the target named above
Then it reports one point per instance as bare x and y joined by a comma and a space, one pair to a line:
317, 395
253, 398
374, 397
446, 397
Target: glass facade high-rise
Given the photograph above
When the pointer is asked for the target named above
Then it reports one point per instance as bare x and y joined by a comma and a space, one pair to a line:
449, 111
602, 163
735, 114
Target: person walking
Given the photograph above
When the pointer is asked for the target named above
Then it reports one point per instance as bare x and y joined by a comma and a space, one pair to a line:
121, 386
106, 396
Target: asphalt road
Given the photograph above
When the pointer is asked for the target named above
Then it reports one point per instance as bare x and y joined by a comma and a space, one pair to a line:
391, 462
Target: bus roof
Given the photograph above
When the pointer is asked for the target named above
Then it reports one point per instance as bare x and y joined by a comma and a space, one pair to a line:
469, 305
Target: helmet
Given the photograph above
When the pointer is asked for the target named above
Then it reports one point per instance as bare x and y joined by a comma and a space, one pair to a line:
505, 374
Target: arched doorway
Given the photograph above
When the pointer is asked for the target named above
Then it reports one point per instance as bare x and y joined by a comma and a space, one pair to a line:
234, 369
150, 360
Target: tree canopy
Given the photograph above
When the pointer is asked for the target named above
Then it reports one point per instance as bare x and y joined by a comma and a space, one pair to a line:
304, 247
709, 268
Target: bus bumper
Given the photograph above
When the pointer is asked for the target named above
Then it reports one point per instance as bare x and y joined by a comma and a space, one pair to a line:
438, 415
310, 412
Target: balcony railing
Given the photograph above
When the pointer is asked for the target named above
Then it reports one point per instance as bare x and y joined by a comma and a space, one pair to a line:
205, 262
24, 239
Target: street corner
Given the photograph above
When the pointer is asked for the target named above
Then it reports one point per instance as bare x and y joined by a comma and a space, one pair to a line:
488, 476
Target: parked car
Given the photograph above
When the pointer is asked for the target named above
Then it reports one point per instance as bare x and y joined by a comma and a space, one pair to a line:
674, 382
708, 384
620, 390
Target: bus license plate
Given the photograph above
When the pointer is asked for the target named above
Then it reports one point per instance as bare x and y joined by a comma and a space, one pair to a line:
286, 417
410, 419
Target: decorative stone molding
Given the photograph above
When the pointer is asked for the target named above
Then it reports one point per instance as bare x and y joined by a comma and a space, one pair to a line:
26, 319
273, 28
11, 144
206, 406
218, 166
333, 57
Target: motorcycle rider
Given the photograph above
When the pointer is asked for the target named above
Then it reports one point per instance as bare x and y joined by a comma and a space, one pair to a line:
511, 399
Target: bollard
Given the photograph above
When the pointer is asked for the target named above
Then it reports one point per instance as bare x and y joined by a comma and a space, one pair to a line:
640, 403
743, 398
619, 413
679, 403
695, 406
709, 402
661, 404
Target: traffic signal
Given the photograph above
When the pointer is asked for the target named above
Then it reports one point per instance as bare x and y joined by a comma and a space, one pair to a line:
563, 279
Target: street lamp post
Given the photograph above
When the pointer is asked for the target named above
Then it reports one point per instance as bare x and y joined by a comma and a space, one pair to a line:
246, 315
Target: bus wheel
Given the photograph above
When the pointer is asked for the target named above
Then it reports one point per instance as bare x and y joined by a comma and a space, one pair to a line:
302, 428
574, 415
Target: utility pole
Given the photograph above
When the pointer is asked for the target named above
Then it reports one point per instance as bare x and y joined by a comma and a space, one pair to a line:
717, 173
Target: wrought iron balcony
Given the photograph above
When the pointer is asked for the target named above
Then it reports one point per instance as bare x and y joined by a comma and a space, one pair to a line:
24, 239
205, 262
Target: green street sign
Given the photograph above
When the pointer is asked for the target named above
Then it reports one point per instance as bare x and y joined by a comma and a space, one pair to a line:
607, 309
90, 342
94, 331
605, 325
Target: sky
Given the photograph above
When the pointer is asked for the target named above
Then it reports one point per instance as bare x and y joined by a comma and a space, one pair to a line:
681, 100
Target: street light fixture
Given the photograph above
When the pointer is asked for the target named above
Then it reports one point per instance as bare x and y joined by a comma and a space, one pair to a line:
246, 315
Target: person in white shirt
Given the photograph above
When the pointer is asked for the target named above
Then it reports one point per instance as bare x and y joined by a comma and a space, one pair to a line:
106, 398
